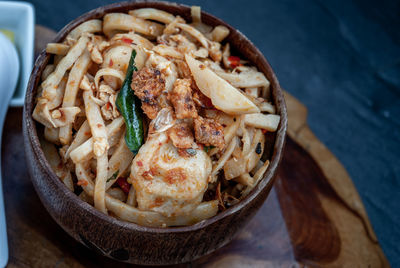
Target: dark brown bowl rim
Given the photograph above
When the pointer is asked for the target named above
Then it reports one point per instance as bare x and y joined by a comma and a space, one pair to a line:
34, 139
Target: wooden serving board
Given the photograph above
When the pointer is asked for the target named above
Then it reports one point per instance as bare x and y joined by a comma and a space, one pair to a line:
313, 216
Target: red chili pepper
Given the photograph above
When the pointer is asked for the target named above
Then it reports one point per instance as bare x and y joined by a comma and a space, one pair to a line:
234, 61
124, 185
233, 58
127, 40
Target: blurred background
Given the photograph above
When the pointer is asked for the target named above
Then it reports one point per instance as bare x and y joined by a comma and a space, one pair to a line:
340, 58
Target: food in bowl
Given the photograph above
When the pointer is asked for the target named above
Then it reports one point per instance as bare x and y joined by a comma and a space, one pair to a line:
152, 120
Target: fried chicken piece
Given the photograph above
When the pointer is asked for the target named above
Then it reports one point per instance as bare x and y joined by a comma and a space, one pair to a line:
209, 132
148, 84
199, 98
181, 136
151, 110
181, 98
164, 181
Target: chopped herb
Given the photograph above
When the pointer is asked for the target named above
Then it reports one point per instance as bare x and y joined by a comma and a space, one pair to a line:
114, 176
258, 148
191, 151
127, 40
208, 148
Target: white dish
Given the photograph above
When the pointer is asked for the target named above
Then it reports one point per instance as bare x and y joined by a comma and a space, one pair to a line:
19, 18
9, 72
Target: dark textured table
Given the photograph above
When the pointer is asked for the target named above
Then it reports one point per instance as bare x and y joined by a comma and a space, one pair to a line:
340, 58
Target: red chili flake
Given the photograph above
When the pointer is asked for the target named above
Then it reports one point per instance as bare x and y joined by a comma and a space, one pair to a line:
82, 182
123, 184
99, 125
233, 58
139, 163
147, 175
108, 106
264, 131
87, 133
234, 61
127, 40
110, 63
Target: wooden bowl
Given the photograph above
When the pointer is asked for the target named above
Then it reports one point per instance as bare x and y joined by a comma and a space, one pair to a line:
130, 242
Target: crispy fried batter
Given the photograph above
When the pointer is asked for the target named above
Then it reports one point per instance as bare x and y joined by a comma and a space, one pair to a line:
209, 132
148, 84
181, 136
151, 110
181, 98
199, 98
175, 175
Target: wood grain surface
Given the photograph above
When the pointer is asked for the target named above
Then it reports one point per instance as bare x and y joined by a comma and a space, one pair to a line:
313, 216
